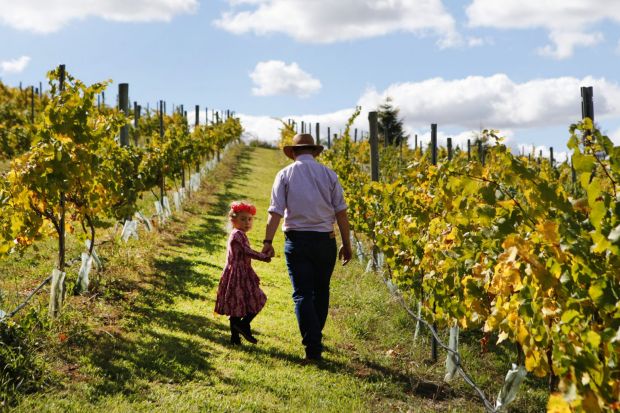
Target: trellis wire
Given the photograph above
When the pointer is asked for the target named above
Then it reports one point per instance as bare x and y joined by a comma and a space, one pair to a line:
17, 309
457, 356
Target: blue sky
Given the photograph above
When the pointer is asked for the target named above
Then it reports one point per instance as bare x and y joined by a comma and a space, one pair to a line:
515, 65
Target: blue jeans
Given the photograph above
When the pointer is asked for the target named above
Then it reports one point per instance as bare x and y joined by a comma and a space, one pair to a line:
310, 258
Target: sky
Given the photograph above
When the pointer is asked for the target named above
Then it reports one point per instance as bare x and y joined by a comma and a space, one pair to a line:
512, 65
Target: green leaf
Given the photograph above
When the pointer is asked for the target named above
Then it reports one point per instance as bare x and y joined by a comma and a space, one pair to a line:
570, 315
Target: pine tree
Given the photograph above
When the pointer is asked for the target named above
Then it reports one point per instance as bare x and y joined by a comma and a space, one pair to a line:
390, 126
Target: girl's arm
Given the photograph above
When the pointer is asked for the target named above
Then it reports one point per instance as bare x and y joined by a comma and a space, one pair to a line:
247, 250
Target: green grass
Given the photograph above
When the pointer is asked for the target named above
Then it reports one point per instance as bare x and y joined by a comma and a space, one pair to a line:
147, 340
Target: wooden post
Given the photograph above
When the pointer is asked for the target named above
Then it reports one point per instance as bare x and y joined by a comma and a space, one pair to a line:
434, 143
61, 82
123, 105
468, 149
480, 151
551, 160
197, 112
434, 161
416, 142
355, 139
58, 290
449, 149
587, 104
161, 118
318, 133
103, 99
303, 127
329, 137
40, 89
32, 103
136, 114
374, 145
206, 116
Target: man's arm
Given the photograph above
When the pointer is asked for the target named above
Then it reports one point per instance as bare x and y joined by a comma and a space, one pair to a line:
345, 252
270, 231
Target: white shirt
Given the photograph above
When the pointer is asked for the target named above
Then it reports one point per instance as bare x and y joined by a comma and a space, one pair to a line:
308, 195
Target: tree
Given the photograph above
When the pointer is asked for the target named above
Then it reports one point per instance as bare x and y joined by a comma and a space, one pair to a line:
390, 126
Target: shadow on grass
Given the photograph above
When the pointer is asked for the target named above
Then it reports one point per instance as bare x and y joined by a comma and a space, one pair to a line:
170, 346
165, 344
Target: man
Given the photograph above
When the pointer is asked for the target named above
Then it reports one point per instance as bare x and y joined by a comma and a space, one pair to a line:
310, 199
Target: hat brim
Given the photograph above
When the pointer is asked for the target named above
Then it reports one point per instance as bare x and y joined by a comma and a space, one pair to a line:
288, 150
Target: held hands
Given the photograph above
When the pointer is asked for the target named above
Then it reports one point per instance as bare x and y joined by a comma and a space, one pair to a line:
268, 249
345, 254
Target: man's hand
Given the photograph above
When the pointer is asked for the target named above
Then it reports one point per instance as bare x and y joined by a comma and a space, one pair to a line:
345, 254
268, 249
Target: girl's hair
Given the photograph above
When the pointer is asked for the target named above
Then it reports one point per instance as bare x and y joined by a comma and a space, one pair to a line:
241, 206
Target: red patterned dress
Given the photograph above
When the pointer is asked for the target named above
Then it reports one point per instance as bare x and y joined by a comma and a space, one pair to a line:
239, 293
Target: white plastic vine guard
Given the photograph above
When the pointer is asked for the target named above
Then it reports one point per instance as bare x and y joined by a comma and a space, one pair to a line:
391, 287
56, 291
195, 182
87, 265
418, 324
159, 211
507, 394
147, 222
176, 198
2, 315
130, 230
95, 256
167, 210
453, 344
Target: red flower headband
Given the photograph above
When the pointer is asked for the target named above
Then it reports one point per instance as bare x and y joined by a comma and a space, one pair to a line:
237, 207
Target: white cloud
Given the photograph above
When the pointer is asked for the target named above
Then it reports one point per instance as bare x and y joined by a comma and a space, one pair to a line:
615, 137
570, 23
462, 107
263, 128
46, 16
496, 101
328, 21
275, 77
15, 65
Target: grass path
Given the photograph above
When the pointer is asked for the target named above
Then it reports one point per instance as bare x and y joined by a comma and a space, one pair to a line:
171, 353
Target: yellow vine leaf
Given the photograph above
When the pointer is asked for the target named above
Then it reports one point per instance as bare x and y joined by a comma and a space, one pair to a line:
557, 404
549, 231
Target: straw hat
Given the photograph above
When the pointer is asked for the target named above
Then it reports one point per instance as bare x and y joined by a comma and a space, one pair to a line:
302, 140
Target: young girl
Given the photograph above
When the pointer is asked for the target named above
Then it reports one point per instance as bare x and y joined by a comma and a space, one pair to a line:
239, 295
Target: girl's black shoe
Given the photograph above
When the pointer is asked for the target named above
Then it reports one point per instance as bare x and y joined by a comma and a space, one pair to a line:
235, 339
234, 334
244, 330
